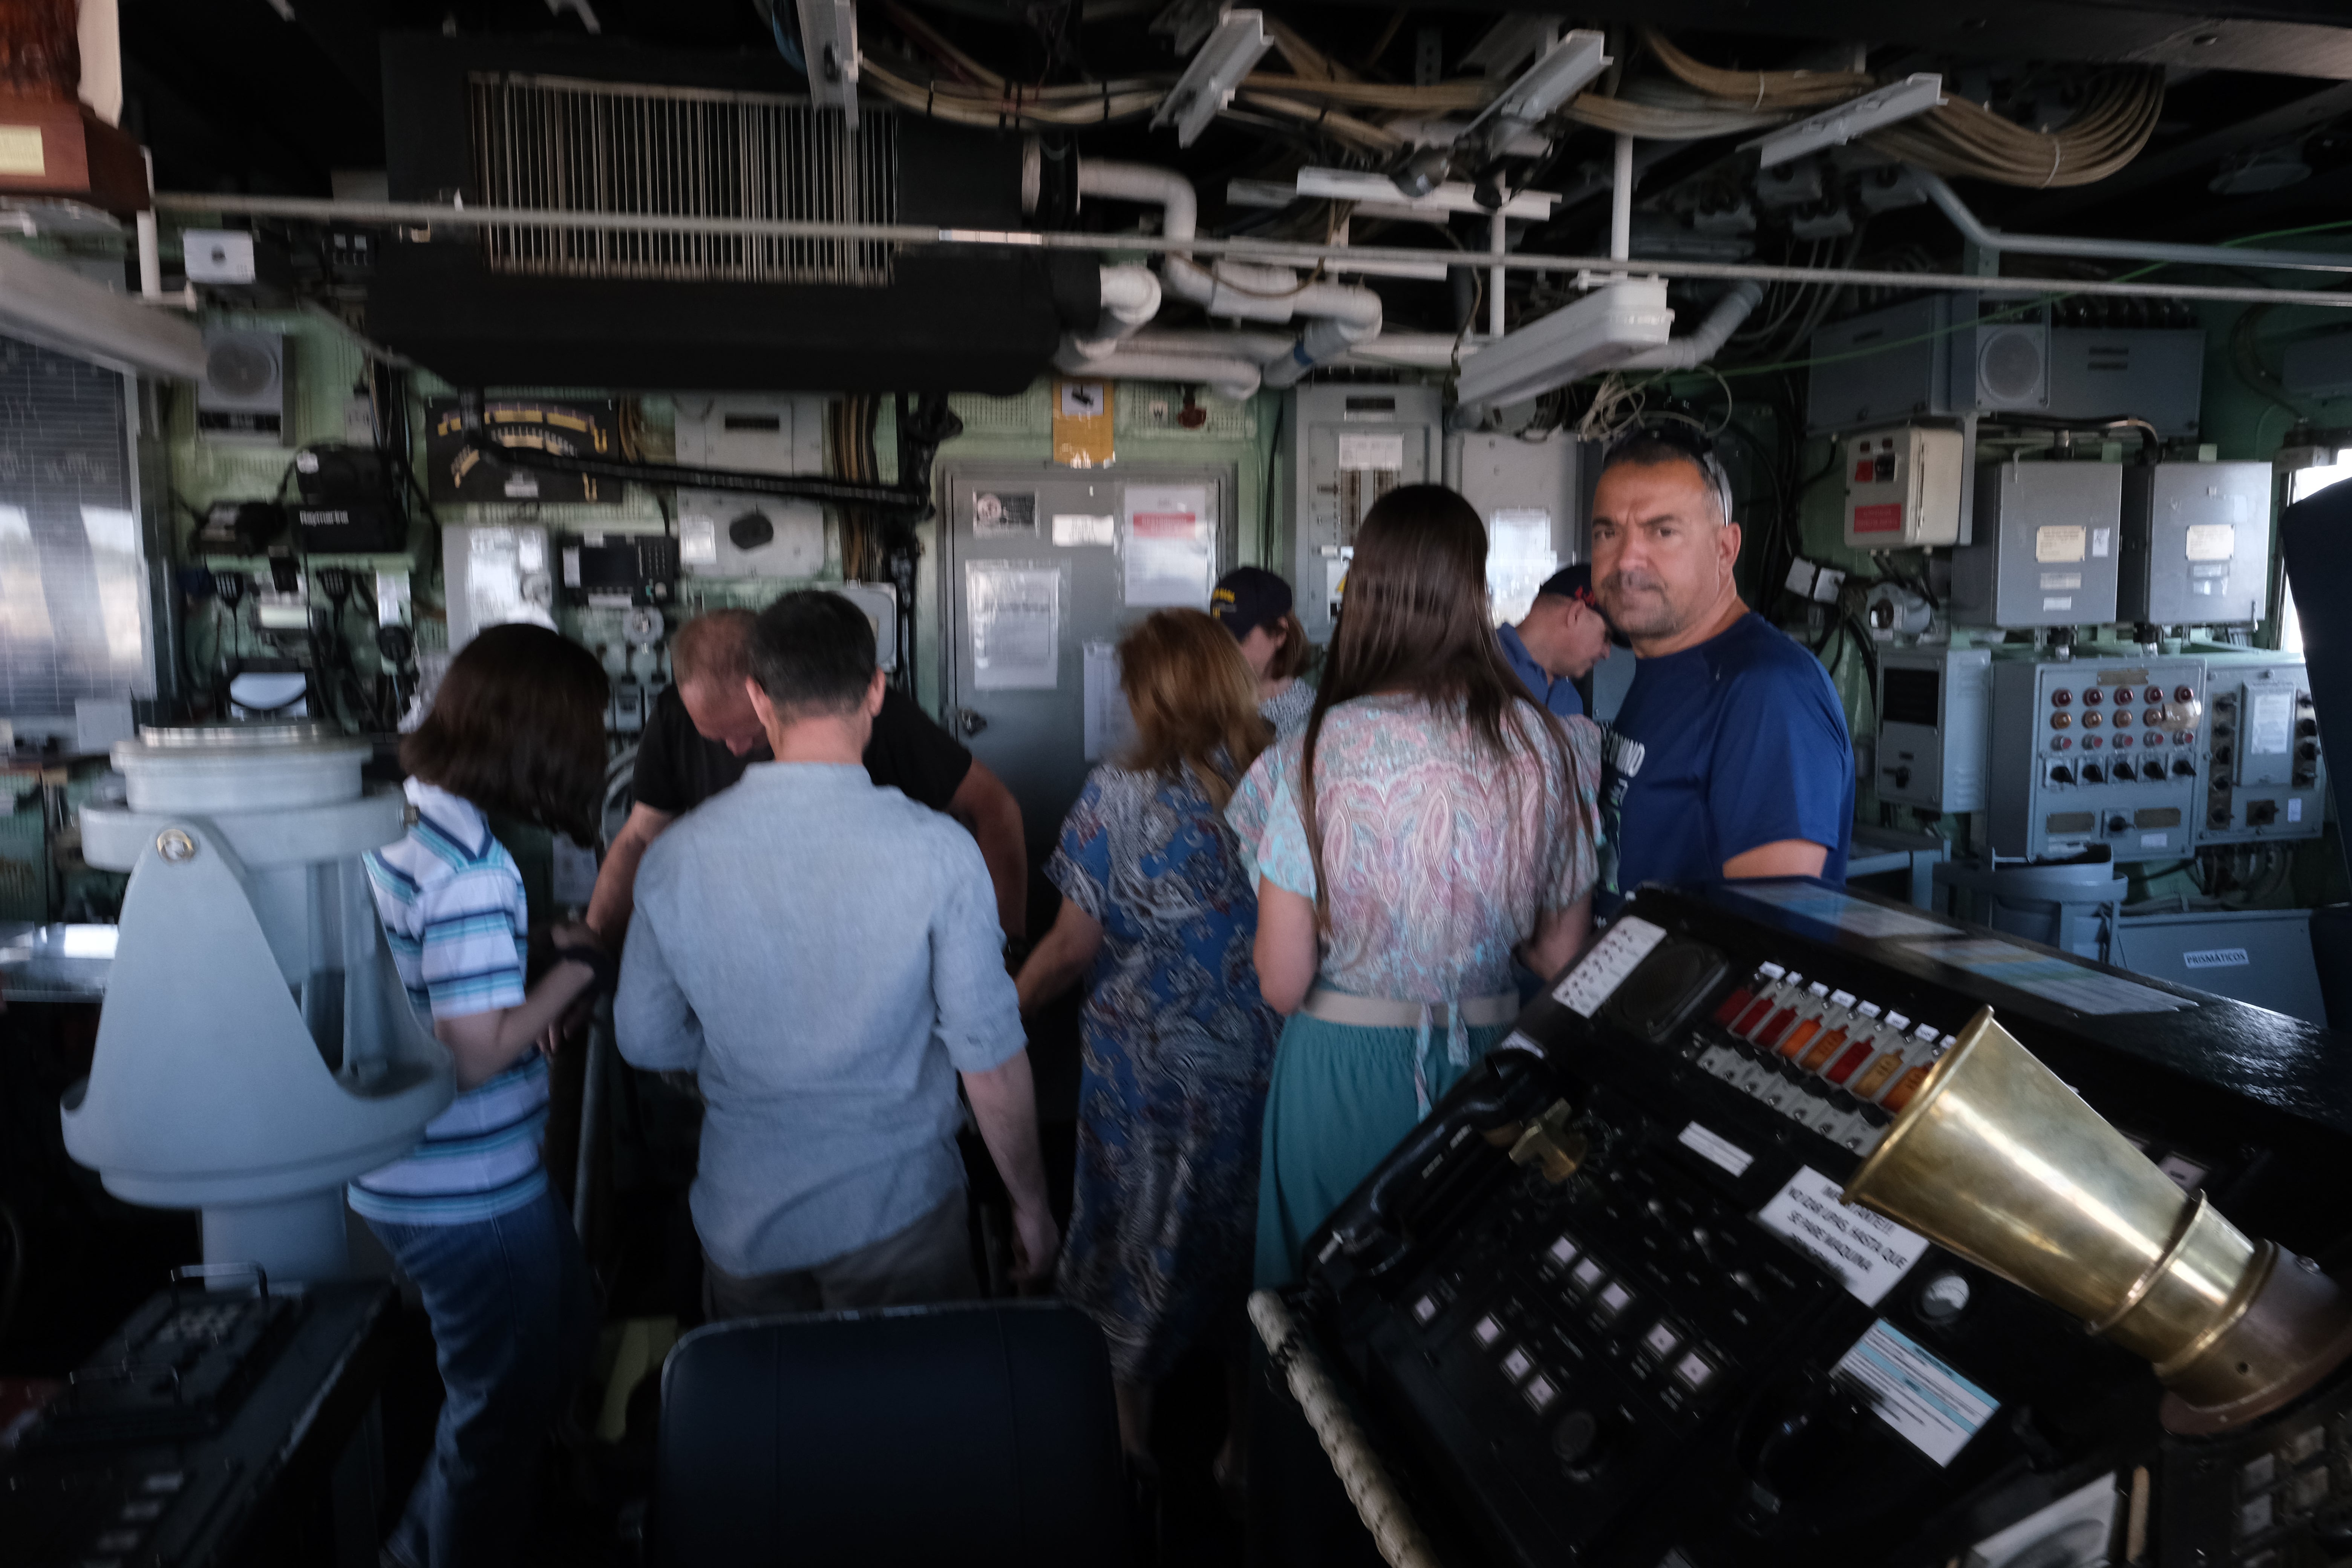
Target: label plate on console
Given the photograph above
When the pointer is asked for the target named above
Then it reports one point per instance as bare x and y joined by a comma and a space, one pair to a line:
1613, 957
1867, 1252
1931, 1406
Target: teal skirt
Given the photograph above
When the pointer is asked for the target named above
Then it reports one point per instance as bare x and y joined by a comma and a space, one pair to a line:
1341, 1098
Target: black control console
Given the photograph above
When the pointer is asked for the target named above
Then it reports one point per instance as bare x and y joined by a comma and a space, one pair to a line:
1606, 1307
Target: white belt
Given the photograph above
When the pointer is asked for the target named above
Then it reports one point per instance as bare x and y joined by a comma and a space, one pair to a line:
1379, 1013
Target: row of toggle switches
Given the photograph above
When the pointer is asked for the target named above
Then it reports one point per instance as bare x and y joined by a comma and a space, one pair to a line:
1839, 1066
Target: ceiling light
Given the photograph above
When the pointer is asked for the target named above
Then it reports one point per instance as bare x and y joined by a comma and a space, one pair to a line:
1874, 110
1209, 83
1606, 327
1564, 71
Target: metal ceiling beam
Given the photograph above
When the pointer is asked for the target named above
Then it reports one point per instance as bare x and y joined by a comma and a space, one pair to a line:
2292, 37
428, 215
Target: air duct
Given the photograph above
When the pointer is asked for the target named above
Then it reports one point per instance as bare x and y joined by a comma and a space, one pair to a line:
607, 129
1687, 352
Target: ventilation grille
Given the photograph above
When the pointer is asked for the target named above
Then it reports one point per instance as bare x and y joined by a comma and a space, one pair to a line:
599, 147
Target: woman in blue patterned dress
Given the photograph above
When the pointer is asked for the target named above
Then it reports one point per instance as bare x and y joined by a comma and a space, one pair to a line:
1177, 1042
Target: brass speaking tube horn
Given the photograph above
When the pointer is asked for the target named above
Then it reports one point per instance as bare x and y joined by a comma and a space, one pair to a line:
1998, 1161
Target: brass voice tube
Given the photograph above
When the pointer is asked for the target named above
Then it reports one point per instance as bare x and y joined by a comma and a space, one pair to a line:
1998, 1161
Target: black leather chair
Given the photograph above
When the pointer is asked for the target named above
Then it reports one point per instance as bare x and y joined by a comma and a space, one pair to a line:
981, 1434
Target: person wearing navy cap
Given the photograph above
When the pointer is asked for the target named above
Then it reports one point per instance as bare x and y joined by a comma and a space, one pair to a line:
1255, 604
1562, 637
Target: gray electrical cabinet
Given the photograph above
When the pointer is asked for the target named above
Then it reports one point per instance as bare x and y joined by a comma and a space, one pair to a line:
2262, 957
1931, 726
2196, 544
2046, 550
2096, 751
1932, 358
2264, 777
1348, 445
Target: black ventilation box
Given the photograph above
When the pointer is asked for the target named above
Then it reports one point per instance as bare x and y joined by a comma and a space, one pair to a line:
602, 126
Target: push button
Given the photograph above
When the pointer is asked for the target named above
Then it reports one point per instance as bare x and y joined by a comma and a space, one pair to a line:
1695, 1372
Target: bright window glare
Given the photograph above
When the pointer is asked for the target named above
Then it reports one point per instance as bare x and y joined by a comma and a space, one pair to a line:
2300, 484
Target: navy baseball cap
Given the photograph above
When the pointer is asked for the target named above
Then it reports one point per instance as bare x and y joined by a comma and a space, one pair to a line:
1572, 583
1248, 597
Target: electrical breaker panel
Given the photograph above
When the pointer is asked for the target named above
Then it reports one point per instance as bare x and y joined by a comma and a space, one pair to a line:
1349, 446
1931, 726
1903, 487
2044, 552
2264, 777
2098, 751
2196, 544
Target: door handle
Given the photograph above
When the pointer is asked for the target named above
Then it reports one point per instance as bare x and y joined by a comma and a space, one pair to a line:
969, 723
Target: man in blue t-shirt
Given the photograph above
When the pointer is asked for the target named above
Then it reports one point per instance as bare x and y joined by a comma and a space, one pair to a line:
1562, 637
1730, 757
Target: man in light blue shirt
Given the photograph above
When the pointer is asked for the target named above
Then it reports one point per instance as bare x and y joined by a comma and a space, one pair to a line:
824, 956
1562, 637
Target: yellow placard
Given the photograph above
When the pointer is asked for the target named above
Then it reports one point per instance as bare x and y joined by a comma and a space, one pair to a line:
20, 150
1082, 437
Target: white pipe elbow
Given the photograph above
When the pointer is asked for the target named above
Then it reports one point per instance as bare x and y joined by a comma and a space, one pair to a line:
1708, 340
1169, 191
1130, 298
1326, 338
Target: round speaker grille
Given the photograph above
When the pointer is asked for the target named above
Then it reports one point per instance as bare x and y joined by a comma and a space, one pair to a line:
2010, 366
240, 369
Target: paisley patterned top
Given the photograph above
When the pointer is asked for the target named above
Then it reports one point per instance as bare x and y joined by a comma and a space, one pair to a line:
1439, 860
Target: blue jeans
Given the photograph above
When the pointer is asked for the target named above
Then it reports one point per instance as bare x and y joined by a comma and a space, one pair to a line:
513, 1326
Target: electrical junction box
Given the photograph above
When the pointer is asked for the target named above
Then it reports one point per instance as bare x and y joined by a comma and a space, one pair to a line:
1903, 487
1347, 446
880, 603
738, 533
2266, 777
1932, 704
2044, 552
2096, 751
2259, 956
1527, 492
615, 571
1934, 358
2196, 544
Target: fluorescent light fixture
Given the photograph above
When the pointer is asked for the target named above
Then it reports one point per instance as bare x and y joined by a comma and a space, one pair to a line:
1209, 83
1874, 110
1606, 327
829, 34
1377, 190
45, 304
1564, 71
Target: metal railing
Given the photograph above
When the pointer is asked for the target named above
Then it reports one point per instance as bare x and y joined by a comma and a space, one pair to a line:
635, 152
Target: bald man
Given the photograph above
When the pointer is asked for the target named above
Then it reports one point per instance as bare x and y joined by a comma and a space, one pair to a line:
703, 732
1730, 756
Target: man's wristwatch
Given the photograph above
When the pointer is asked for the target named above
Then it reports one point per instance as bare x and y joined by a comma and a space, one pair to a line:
607, 968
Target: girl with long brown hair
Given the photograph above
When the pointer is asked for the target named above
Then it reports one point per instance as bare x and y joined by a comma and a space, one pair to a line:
1176, 1042
1428, 825
517, 729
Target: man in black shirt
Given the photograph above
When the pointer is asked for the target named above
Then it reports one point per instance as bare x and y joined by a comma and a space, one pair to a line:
702, 734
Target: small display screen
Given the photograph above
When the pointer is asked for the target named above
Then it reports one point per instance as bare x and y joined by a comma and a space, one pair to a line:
1911, 697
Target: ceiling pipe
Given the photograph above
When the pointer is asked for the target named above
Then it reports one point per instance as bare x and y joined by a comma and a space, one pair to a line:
1975, 233
1232, 378
412, 214
1130, 298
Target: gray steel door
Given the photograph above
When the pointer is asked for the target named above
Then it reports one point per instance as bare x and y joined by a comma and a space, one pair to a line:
1103, 546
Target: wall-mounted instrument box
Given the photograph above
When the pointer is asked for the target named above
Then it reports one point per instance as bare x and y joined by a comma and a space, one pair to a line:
2196, 544
1347, 446
1931, 726
2045, 549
